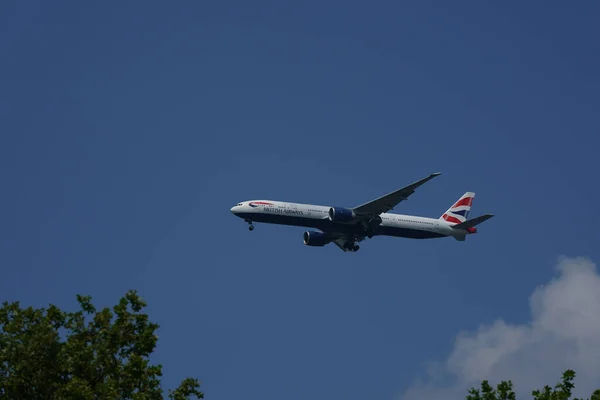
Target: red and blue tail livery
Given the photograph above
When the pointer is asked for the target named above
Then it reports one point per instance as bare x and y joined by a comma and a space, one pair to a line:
346, 227
460, 210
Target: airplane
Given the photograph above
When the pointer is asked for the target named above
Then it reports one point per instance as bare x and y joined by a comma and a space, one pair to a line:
346, 227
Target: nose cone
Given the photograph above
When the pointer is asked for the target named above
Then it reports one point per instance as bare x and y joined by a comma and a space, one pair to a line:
233, 209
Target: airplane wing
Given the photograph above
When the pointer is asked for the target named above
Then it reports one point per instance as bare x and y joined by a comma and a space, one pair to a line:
391, 200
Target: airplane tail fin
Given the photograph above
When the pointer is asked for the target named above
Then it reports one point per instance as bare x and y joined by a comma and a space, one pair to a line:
457, 216
459, 211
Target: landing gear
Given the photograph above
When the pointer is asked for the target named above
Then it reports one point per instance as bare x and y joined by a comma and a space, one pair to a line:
351, 246
251, 227
371, 225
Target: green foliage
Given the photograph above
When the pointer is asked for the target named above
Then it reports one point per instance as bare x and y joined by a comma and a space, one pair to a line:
88, 354
504, 390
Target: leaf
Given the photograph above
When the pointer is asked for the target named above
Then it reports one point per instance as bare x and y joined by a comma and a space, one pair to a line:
86, 354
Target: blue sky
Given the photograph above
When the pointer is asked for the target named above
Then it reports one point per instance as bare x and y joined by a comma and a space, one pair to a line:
129, 130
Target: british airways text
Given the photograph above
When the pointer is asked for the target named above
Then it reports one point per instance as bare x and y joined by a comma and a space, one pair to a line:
283, 211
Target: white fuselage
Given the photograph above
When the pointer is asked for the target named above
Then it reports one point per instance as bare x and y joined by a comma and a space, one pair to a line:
315, 216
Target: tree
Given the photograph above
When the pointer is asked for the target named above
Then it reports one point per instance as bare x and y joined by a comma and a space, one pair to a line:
504, 390
88, 354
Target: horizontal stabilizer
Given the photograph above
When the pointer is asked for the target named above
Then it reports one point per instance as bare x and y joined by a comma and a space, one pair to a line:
472, 222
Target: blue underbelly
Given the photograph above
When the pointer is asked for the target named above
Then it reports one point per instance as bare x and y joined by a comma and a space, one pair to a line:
407, 233
325, 225
318, 223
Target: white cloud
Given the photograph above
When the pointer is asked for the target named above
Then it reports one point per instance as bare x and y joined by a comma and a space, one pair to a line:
564, 332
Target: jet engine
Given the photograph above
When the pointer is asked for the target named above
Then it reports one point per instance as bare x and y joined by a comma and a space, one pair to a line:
313, 238
340, 214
